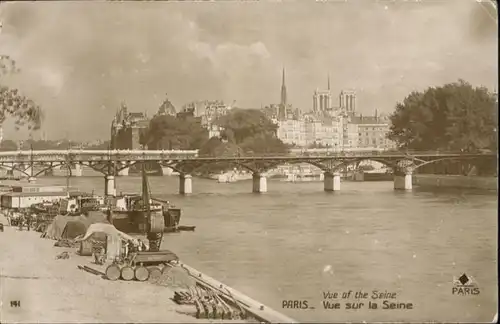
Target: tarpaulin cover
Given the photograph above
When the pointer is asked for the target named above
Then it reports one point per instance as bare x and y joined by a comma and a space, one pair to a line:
107, 229
79, 224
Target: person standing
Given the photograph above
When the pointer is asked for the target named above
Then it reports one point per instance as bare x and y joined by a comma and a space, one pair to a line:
20, 219
28, 222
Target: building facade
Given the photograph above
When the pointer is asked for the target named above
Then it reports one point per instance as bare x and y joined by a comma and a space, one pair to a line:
209, 111
292, 132
347, 101
372, 131
322, 100
126, 129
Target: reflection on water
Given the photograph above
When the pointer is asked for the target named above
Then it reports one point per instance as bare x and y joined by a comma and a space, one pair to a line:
296, 242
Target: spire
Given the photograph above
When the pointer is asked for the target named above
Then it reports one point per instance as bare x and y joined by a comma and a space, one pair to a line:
283, 89
328, 82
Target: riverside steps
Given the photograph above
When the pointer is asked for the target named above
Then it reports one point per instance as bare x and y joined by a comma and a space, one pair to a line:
256, 309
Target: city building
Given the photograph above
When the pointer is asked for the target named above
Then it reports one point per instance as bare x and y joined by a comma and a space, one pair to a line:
350, 134
126, 129
322, 100
292, 132
328, 126
167, 109
209, 112
25, 196
372, 131
347, 102
325, 131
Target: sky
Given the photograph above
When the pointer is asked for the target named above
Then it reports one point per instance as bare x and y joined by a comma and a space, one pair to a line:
79, 60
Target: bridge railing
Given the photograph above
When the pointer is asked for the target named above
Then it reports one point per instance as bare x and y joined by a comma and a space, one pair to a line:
152, 155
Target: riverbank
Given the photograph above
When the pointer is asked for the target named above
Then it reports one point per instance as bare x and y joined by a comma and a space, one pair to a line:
455, 181
57, 291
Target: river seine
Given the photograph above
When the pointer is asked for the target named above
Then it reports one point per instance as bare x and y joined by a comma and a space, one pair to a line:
298, 243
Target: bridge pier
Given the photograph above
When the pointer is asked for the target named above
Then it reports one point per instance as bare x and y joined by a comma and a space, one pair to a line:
109, 186
259, 183
331, 181
185, 184
78, 170
403, 181
31, 180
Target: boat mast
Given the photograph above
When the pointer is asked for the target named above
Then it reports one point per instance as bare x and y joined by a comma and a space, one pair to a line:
145, 191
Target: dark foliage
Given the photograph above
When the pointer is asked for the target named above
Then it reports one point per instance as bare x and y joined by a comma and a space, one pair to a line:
453, 117
15, 105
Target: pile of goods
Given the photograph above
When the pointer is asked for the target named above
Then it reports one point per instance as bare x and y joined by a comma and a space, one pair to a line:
208, 303
142, 266
63, 255
66, 243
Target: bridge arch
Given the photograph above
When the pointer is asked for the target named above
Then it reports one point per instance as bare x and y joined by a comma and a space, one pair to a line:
159, 163
455, 158
323, 163
232, 163
15, 168
389, 164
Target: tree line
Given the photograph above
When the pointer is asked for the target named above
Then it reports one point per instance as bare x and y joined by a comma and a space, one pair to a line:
455, 117
243, 132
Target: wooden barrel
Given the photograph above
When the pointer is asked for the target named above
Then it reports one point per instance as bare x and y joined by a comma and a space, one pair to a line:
154, 274
127, 273
113, 272
141, 273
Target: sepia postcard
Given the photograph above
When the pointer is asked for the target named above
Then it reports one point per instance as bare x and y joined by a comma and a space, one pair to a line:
287, 161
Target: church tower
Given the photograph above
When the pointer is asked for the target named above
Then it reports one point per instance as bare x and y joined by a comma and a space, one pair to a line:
283, 104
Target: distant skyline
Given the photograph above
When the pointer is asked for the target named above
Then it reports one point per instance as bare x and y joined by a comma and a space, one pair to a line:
80, 60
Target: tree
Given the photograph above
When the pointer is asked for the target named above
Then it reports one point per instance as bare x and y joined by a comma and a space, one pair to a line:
245, 123
169, 132
8, 145
13, 103
453, 117
252, 131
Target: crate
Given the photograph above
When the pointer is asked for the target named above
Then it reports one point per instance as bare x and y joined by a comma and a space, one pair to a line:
86, 248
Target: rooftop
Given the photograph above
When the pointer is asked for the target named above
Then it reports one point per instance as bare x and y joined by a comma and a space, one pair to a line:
367, 120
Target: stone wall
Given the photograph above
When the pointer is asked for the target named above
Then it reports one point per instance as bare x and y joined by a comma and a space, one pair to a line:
455, 181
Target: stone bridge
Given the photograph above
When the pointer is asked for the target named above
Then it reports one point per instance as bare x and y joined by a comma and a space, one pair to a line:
117, 162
